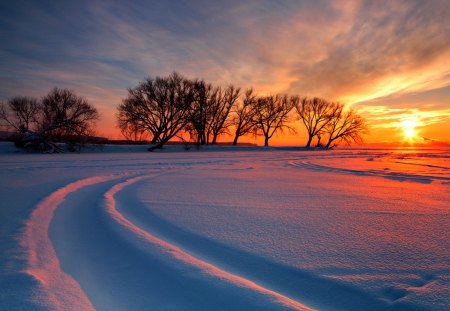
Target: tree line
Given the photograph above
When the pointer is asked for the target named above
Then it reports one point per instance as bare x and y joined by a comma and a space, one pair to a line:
162, 108
59, 117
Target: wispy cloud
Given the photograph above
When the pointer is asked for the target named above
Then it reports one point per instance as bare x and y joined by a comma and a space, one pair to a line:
366, 52
392, 47
386, 117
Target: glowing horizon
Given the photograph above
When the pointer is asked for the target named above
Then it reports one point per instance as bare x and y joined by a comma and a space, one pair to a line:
389, 60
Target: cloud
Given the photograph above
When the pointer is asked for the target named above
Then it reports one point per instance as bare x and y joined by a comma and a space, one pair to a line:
353, 51
366, 52
386, 117
393, 47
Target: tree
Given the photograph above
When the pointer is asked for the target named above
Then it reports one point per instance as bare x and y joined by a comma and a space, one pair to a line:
19, 114
64, 114
220, 110
206, 95
315, 115
344, 126
133, 133
243, 116
209, 113
272, 114
61, 116
159, 106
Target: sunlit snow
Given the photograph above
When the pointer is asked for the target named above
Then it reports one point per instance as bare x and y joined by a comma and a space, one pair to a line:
225, 229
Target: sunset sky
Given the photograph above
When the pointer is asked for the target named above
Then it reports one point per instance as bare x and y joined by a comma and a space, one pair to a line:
388, 59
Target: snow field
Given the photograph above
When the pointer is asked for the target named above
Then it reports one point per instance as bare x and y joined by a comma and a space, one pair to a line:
341, 230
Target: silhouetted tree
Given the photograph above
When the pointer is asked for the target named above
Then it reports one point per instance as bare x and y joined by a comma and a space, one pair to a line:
19, 114
220, 110
315, 115
272, 114
206, 95
159, 106
243, 114
344, 126
209, 113
133, 132
61, 116
63, 113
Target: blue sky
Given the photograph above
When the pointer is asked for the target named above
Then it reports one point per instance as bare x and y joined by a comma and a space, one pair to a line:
389, 58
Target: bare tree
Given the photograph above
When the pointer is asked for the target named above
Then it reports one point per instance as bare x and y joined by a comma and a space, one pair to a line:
61, 116
220, 110
19, 114
159, 106
209, 113
63, 113
315, 115
243, 116
344, 126
206, 95
133, 132
272, 114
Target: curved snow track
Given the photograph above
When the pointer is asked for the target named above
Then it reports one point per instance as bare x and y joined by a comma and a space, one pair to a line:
60, 290
93, 244
400, 176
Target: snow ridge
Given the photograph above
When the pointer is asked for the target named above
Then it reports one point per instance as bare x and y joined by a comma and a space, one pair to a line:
57, 289
179, 254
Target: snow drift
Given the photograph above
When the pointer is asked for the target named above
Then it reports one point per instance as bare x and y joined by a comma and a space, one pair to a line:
222, 230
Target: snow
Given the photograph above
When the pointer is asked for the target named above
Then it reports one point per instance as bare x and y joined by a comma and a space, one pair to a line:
225, 229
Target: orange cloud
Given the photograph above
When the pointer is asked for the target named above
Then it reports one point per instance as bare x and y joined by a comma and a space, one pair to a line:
366, 53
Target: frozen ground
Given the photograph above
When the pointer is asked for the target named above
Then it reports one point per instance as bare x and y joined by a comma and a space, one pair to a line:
225, 230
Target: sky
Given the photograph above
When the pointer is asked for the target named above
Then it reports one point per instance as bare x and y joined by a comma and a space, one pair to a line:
390, 60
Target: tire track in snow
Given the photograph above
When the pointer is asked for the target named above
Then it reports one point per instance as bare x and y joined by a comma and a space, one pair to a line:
424, 179
309, 287
183, 256
56, 290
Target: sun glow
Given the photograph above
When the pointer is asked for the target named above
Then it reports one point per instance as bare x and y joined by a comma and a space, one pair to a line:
409, 128
409, 133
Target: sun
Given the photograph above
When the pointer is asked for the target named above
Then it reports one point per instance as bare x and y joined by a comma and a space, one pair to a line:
409, 129
409, 132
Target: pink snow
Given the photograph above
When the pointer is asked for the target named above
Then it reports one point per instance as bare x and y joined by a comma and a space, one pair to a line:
226, 228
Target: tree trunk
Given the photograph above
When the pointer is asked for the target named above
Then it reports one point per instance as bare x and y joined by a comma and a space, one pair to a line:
266, 141
308, 144
157, 146
203, 139
235, 140
214, 141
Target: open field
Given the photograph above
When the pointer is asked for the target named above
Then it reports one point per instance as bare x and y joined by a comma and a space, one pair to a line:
274, 229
